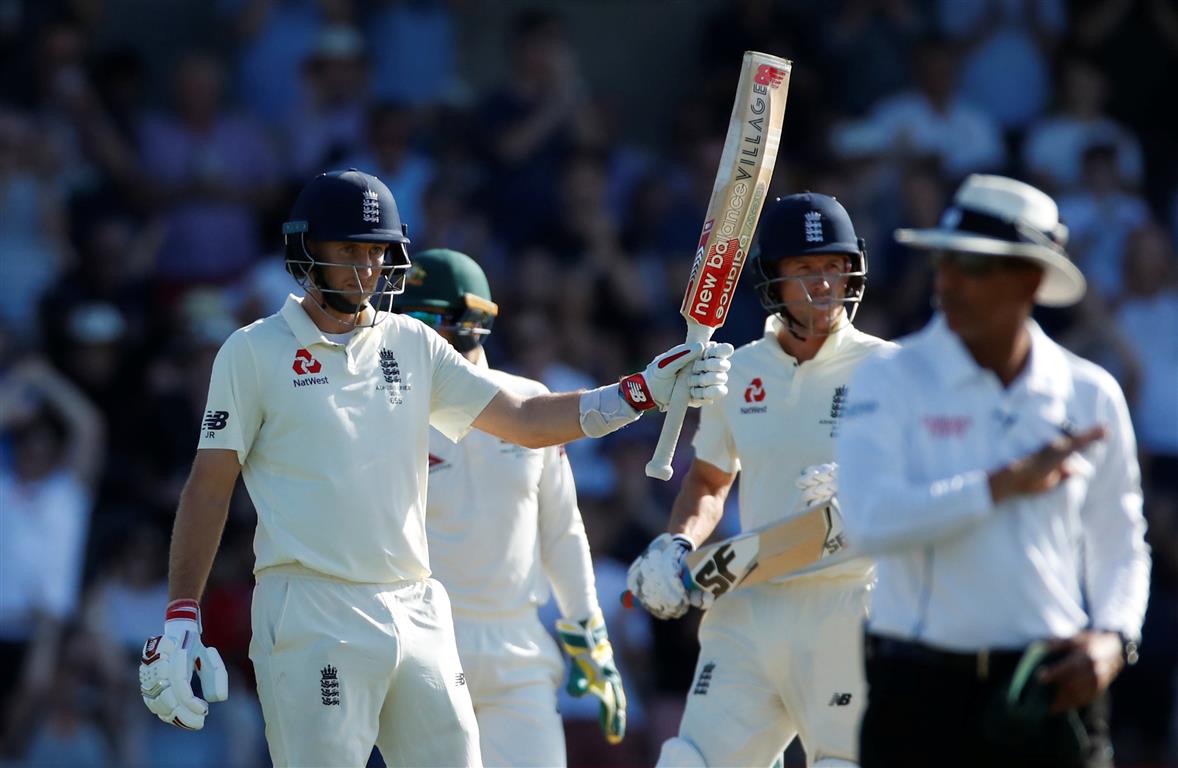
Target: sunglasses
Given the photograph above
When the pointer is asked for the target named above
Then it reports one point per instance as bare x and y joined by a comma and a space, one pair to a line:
472, 322
978, 265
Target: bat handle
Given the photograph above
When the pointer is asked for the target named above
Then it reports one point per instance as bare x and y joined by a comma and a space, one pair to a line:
659, 465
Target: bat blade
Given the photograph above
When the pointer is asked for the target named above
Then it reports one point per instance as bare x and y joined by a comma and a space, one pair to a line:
742, 183
767, 552
794, 546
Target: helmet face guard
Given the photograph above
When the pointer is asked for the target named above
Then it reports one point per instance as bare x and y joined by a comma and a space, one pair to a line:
347, 206
307, 269
769, 291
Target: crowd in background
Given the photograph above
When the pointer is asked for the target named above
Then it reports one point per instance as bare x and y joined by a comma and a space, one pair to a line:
138, 229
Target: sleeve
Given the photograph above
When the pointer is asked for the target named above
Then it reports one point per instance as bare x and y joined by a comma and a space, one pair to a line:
713, 440
882, 508
1116, 557
459, 390
564, 548
234, 411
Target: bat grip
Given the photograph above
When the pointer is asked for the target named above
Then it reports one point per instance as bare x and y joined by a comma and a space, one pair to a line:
659, 465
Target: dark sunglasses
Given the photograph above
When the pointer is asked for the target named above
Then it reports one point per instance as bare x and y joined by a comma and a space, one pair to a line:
976, 264
472, 322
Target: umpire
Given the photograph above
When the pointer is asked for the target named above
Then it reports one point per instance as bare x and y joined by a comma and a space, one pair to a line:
995, 475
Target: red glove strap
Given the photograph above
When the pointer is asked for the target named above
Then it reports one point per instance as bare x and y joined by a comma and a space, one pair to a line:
635, 392
183, 609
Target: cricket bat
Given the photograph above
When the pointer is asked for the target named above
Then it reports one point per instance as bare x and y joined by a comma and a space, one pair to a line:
742, 181
797, 543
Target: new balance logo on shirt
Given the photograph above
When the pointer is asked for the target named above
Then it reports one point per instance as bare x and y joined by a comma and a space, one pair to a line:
214, 422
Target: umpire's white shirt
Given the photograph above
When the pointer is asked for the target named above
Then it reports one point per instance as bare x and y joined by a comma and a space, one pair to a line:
333, 438
501, 518
923, 426
779, 417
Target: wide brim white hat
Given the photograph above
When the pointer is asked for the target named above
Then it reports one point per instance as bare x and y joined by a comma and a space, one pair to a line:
1002, 217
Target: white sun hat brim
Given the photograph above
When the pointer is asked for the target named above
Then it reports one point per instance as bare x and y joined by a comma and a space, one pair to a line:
1003, 217
1063, 282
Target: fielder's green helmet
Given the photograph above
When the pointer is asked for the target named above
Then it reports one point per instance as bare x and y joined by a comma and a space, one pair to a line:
448, 290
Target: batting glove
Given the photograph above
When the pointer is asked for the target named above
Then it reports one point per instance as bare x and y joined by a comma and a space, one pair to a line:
165, 669
706, 368
592, 671
818, 484
656, 577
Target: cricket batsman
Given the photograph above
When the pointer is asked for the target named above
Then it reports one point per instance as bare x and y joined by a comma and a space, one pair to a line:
779, 659
325, 409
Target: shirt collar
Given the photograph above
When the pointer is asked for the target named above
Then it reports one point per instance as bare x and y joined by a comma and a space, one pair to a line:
304, 328
1047, 369
773, 325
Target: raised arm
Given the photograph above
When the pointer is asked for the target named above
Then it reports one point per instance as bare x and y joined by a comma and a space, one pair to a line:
551, 419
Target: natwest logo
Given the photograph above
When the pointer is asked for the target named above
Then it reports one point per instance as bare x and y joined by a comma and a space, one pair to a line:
755, 391
305, 364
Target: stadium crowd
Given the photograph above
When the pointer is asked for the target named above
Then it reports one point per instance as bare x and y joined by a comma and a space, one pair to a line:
139, 226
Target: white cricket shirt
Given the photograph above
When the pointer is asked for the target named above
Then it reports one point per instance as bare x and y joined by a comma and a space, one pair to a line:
923, 427
501, 518
778, 418
333, 439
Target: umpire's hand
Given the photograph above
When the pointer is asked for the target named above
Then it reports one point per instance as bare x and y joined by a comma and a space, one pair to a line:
1092, 662
1042, 470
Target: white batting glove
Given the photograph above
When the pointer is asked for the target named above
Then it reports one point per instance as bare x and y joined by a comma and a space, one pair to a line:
818, 484
656, 577
165, 669
707, 376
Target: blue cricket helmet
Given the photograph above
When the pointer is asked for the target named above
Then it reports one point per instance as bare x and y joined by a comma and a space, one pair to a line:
807, 224
348, 206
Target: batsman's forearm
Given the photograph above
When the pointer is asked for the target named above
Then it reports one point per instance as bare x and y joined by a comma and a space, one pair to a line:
697, 509
196, 534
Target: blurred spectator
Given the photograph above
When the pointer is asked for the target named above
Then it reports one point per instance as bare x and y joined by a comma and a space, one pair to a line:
1054, 147
929, 120
1005, 70
1100, 214
413, 57
868, 45
275, 37
1090, 331
68, 733
32, 222
1148, 318
56, 449
1130, 40
388, 154
329, 126
530, 125
208, 172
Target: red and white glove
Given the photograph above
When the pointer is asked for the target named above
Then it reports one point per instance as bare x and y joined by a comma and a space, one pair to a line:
707, 376
165, 669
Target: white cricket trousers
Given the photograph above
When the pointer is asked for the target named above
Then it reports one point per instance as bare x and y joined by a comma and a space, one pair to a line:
778, 661
513, 668
342, 666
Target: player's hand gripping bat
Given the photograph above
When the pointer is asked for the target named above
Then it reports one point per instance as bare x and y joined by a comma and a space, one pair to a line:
796, 544
742, 181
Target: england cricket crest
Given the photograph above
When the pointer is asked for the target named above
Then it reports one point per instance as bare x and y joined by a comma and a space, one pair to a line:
371, 207
390, 370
